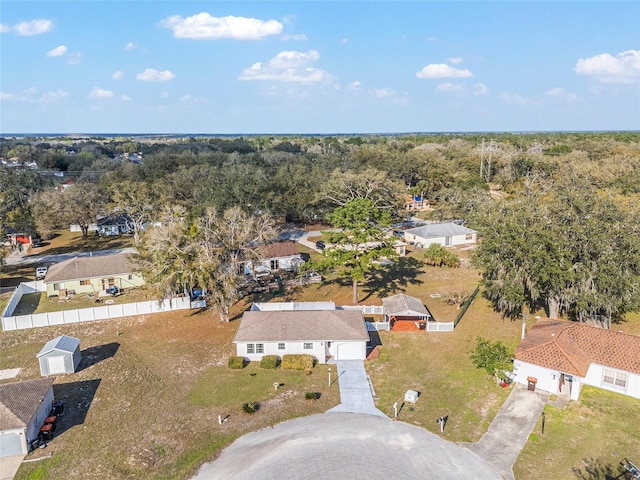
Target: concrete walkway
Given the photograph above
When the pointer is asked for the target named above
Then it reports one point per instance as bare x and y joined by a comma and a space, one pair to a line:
9, 466
355, 390
509, 431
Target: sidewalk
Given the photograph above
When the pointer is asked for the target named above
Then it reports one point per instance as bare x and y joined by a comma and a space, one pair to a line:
509, 431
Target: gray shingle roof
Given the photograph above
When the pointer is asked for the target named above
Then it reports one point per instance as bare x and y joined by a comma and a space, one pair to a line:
301, 325
19, 401
439, 230
402, 304
79, 268
62, 343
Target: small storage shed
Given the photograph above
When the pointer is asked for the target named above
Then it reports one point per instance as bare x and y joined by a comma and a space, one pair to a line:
405, 313
60, 355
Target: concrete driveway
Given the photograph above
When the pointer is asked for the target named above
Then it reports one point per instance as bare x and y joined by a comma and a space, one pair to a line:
356, 394
336, 445
9, 466
509, 431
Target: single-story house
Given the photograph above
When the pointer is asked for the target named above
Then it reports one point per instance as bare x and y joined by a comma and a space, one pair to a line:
448, 234
60, 355
416, 203
115, 224
23, 408
92, 274
405, 313
274, 257
559, 357
324, 334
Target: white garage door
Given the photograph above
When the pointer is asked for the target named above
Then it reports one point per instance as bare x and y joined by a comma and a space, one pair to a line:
10, 444
56, 364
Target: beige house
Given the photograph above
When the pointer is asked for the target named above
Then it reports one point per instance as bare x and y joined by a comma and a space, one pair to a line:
93, 274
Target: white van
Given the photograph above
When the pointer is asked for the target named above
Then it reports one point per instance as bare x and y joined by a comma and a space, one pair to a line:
41, 272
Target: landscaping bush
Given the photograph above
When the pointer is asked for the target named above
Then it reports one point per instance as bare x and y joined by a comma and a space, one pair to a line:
312, 395
270, 362
250, 407
438, 256
236, 362
297, 362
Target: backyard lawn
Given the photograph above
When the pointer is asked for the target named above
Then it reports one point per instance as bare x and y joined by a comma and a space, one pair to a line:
146, 400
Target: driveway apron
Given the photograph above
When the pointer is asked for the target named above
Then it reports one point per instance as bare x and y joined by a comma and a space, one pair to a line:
355, 389
509, 431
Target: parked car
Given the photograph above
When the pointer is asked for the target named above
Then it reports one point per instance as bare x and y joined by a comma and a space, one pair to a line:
41, 272
112, 290
36, 242
320, 245
398, 233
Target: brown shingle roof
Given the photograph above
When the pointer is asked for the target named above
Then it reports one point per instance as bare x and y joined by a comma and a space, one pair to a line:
301, 325
79, 268
571, 347
19, 401
278, 250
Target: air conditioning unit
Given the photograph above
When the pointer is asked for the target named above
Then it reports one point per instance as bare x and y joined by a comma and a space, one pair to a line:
411, 396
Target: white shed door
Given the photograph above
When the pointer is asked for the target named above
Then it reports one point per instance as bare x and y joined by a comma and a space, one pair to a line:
56, 364
10, 444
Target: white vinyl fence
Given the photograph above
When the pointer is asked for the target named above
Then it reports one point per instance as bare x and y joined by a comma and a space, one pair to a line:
105, 312
439, 327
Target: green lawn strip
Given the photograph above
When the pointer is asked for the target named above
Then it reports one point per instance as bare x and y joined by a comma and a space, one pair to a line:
595, 433
32, 303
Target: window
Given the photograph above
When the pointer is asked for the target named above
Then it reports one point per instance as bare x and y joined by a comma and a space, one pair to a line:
129, 277
468, 236
259, 347
281, 346
58, 286
615, 378
251, 348
85, 282
307, 346
275, 265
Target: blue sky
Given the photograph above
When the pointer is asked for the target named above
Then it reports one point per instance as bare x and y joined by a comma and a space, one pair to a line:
318, 67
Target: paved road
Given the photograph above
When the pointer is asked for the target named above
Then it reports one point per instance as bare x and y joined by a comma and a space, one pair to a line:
337, 445
51, 259
509, 431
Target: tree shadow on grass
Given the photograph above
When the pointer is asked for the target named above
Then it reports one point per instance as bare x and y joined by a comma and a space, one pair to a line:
594, 469
394, 278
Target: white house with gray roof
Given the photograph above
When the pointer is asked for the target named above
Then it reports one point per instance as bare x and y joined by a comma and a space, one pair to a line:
23, 408
447, 234
324, 334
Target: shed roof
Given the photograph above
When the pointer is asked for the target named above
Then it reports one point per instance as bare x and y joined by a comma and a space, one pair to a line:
402, 304
572, 347
301, 325
439, 230
79, 268
63, 343
19, 401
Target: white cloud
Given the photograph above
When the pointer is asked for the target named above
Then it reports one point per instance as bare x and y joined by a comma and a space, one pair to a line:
98, 92
118, 75
288, 66
130, 46
57, 52
480, 89
442, 70
624, 68
455, 60
560, 94
203, 26
514, 99
450, 87
190, 99
298, 37
4, 28
51, 96
30, 91
164, 95
125, 98
354, 85
344, 41
33, 27
7, 96
153, 75
74, 58
389, 94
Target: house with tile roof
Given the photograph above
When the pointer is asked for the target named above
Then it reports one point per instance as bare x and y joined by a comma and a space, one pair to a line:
559, 357
447, 234
24, 406
92, 274
325, 334
275, 257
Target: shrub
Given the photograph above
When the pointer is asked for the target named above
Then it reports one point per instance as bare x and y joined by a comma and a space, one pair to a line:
270, 361
236, 362
312, 395
438, 256
250, 407
297, 362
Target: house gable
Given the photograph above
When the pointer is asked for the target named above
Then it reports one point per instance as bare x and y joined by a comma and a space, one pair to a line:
19, 401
